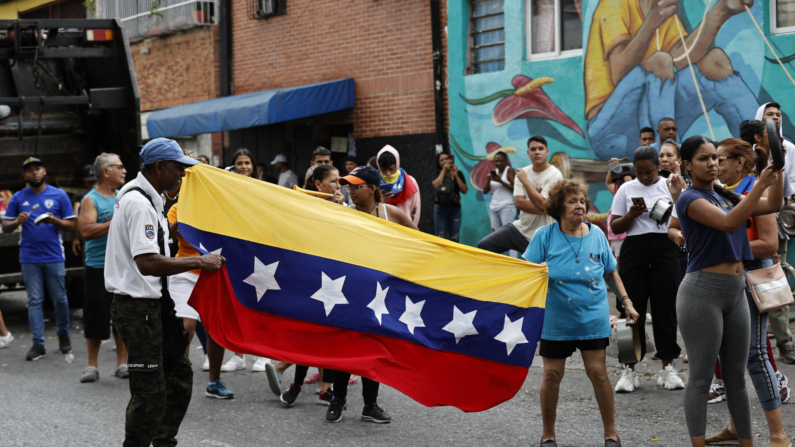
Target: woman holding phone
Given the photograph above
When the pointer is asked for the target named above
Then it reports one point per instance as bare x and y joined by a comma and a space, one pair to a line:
649, 264
502, 209
448, 186
712, 307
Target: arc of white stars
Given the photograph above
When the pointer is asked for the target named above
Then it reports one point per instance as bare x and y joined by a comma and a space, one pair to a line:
461, 326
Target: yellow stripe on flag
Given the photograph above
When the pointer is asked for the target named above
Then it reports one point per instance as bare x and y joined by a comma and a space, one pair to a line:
229, 204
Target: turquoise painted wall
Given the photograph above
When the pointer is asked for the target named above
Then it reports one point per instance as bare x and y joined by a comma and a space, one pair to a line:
755, 81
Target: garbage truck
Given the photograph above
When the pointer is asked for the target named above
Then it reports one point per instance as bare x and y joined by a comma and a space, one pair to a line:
67, 93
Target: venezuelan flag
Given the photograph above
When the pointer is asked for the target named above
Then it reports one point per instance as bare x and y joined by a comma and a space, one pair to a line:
314, 283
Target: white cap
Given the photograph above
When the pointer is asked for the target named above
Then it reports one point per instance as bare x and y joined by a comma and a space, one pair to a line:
281, 158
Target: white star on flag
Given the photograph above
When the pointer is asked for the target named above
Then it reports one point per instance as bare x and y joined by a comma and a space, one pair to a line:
512, 334
378, 304
411, 317
214, 252
263, 277
461, 326
330, 293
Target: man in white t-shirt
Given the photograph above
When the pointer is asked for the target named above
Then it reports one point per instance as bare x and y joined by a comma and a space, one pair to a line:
530, 189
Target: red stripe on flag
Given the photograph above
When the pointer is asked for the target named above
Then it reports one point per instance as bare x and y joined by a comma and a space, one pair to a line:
432, 378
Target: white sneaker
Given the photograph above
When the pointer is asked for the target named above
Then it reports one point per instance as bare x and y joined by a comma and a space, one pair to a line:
4, 341
259, 365
626, 381
206, 366
234, 364
670, 379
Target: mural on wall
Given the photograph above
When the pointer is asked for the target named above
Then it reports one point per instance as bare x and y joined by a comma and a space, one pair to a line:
591, 107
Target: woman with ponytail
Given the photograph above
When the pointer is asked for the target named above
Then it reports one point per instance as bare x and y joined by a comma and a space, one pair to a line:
711, 305
738, 167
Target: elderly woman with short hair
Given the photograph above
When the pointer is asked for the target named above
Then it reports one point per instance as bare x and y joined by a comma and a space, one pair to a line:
577, 315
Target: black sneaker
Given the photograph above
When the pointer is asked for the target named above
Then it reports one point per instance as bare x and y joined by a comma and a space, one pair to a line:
36, 352
335, 409
65, 343
289, 396
374, 413
325, 398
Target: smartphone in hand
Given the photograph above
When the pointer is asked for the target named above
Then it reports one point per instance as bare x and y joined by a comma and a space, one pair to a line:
639, 201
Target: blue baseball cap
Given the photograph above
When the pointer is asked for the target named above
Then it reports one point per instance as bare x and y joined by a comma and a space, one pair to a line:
166, 150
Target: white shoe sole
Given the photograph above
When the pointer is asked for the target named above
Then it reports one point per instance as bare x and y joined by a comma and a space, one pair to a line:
257, 368
716, 400
206, 367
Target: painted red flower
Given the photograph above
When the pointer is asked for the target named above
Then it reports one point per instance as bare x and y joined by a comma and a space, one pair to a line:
526, 100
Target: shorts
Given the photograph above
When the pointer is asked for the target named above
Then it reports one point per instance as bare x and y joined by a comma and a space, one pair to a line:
96, 305
180, 287
561, 349
616, 246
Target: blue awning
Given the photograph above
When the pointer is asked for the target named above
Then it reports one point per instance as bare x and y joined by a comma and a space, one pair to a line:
252, 109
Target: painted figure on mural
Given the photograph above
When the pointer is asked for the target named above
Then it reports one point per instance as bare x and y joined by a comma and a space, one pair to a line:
636, 72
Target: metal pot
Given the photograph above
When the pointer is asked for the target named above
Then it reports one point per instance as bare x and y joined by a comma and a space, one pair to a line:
661, 211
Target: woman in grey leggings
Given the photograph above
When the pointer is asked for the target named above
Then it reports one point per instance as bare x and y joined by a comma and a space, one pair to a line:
711, 307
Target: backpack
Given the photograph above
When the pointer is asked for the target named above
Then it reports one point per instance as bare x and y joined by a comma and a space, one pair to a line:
446, 194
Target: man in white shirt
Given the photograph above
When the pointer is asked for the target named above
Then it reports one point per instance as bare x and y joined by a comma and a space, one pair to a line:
137, 266
287, 178
530, 189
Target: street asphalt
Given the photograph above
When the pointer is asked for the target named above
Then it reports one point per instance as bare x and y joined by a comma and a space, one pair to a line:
42, 403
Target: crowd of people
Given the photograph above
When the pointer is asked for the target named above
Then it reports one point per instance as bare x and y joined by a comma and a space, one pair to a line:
685, 266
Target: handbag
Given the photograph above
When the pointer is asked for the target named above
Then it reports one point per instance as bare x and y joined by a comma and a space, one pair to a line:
769, 287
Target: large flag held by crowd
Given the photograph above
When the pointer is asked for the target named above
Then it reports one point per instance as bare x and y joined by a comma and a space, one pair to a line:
315, 283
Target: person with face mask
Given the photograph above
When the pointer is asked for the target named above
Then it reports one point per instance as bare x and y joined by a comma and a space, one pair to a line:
42, 211
399, 188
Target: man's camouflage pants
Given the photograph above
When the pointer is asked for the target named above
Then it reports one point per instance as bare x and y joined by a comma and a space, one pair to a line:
159, 401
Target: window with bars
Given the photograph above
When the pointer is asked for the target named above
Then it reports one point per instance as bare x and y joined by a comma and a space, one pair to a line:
486, 36
150, 18
554, 28
263, 9
782, 16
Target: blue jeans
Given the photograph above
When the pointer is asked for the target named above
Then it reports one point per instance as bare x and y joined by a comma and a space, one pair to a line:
35, 275
502, 216
641, 99
447, 221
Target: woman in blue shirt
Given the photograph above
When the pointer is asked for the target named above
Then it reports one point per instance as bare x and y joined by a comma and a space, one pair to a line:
711, 306
577, 312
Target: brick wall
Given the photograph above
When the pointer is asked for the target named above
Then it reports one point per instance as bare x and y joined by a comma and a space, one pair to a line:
384, 44
179, 69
